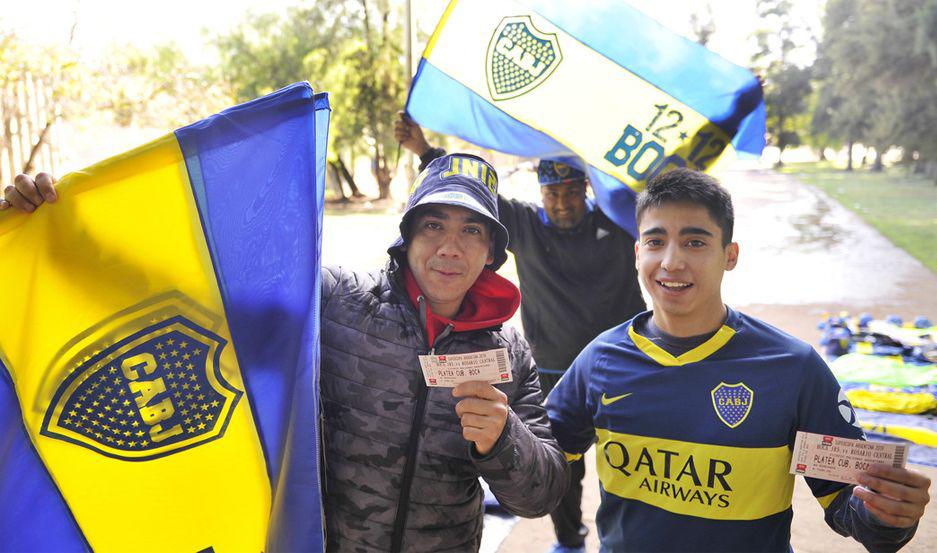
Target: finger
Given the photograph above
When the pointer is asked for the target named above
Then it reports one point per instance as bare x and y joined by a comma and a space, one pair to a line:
909, 477
473, 434
888, 518
46, 185
892, 489
27, 188
4, 204
480, 407
18, 201
473, 420
478, 388
909, 509
404, 116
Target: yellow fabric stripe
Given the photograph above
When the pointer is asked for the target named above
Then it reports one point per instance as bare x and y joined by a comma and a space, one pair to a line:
921, 436
618, 98
439, 26
700, 352
826, 500
570, 457
892, 402
695, 479
126, 233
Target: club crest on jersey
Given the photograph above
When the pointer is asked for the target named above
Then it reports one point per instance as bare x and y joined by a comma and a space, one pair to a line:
144, 392
520, 57
732, 402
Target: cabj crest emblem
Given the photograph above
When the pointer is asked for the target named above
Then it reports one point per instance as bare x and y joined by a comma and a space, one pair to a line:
732, 402
150, 387
520, 57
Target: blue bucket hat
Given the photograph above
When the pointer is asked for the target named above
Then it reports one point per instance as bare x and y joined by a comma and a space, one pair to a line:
462, 180
551, 171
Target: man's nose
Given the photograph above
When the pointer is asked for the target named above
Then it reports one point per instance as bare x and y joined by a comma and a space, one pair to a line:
450, 246
673, 259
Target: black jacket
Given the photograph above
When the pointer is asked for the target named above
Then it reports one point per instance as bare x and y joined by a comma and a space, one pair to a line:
399, 476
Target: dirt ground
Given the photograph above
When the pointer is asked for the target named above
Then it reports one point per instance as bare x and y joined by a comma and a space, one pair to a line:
802, 256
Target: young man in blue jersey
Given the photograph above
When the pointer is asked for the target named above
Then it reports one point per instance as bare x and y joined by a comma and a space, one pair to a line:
695, 406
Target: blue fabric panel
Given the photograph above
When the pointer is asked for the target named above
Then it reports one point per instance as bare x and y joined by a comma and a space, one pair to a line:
33, 514
259, 191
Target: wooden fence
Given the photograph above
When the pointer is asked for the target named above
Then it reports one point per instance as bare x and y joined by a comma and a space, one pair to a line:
28, 111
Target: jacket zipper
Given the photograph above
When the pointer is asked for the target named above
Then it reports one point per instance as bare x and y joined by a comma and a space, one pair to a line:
400, 519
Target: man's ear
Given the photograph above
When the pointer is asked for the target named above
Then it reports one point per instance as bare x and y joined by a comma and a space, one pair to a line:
732, 255
491, 252
636, 254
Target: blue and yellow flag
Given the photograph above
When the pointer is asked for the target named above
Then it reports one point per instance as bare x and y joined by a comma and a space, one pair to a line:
159, 345
598, 82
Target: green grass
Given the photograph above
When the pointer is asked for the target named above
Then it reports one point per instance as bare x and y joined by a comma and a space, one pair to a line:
901, 206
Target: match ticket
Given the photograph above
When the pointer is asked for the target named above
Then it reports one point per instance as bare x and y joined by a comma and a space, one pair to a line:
451, 370
842, 459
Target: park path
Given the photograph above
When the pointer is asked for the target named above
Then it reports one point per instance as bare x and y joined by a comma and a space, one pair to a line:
802, 255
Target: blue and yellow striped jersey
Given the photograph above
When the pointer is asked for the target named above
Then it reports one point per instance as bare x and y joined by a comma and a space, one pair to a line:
693, 451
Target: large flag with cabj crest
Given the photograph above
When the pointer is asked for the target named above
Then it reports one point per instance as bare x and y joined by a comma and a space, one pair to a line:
159, 343
597, 83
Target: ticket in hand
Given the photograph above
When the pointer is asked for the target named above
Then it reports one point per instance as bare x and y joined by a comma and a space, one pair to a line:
842, 459
450, 370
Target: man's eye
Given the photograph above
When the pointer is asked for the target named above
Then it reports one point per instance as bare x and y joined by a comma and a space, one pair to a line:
653, 242
432, 225
696, 243
473, 230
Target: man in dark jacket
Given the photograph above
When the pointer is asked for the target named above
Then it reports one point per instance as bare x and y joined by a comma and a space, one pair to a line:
402, 460
577, 276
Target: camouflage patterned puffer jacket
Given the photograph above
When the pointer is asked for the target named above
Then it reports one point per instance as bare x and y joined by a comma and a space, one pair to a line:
398, 474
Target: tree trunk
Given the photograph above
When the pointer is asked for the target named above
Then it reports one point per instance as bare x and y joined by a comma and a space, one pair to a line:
28, 166
878, 166
337, 179
381, 173
849, 156
821, 154
348, 178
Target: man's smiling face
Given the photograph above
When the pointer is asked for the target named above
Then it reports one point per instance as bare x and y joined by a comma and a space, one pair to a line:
681, 260
448, 248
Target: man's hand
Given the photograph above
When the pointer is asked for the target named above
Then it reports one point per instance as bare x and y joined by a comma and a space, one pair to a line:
483, 412
895, 496
409, 134
27, 194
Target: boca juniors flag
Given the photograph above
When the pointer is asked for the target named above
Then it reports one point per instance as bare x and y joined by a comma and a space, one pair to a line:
598, 82
158, 353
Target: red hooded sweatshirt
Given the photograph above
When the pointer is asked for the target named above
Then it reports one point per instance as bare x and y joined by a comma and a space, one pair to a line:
491, 301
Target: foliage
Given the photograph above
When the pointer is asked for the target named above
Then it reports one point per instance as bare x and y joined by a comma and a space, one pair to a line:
157, 87
351, 48
787, 84
877, 70
703, 24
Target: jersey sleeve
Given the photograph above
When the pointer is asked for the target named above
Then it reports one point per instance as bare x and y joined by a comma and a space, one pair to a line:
824, 409
570, 408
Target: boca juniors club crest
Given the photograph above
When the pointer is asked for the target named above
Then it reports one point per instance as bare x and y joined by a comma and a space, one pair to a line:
520, 58
153, 391
732, 402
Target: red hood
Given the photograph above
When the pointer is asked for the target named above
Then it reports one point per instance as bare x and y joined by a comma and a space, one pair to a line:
491, 301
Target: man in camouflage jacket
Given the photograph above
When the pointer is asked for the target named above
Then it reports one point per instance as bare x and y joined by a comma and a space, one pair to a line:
402, 460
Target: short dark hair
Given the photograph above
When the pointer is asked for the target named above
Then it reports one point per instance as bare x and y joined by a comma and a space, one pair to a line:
686, 186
